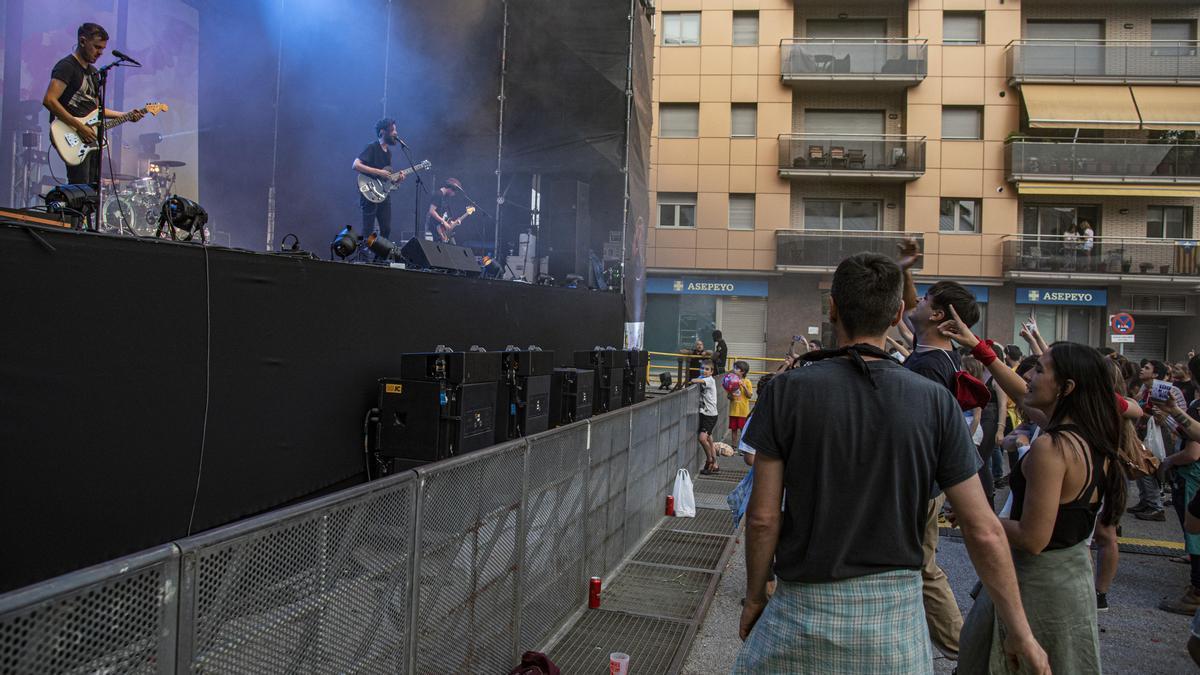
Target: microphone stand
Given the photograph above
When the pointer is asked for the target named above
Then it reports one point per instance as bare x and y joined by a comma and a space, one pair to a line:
102, 140
416, 190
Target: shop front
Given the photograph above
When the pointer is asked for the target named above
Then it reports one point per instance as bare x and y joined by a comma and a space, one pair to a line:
1070, 314
683, 309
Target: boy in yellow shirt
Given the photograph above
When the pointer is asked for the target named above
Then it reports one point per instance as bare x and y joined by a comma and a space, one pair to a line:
739, 401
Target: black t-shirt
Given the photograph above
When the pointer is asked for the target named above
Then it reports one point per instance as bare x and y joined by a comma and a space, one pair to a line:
1188, 388
832, 429
80, 97
441, 202
375, 156
939, 365
720, 356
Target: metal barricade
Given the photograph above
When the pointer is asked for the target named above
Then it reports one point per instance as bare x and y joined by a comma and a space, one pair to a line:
117, 617
644, 498
608, 473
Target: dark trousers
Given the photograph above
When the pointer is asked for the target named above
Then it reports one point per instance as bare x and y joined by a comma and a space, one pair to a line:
989, 422
373, 213
1179, 502
87, 173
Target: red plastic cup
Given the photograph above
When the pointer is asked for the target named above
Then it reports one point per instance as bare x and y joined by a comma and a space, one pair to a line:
670, 505
594, 593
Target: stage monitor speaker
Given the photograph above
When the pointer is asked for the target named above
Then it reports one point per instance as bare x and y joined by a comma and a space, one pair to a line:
454, 367
422, 421
433, 255
571, 391
522, 407
566, 221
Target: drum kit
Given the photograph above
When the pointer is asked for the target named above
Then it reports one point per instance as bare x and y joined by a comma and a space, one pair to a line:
135, 202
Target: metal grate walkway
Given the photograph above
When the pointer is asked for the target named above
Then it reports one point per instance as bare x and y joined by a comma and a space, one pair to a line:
653, 605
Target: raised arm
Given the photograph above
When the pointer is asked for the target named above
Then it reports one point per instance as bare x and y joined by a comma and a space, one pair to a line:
1006, 377
909, 254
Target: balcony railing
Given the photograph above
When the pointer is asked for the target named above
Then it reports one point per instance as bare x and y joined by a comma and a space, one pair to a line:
896, 60
824, 250
1108, 160
885, 156
1034, 255
1104, 61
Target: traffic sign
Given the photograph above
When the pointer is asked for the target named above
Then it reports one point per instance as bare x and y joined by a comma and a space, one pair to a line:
1120, 338
1122, 323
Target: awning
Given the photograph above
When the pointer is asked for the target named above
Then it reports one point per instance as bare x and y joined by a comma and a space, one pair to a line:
1080, 106
1168, 107
1107, 190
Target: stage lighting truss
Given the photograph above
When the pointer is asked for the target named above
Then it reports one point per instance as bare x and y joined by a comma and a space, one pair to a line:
181, 213
344, 244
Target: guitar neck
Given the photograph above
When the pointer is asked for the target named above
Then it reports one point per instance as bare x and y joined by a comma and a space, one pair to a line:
108, 124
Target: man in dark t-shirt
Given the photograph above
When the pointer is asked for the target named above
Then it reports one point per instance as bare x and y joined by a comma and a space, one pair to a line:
74, 91
375, 161
832, 423
439, 213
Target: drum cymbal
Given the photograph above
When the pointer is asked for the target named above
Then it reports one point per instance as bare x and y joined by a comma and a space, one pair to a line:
168, 163
120, 177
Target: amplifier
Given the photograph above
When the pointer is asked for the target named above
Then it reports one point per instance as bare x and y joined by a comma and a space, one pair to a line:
454, 367
527, 363
571, 394
600, 359
421, 421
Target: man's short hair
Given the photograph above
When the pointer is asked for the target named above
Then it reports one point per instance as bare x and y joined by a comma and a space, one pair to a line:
383, 125
1013, 352
867, 289
707, 363
91, 30
947, 294
716, 335
1160, 369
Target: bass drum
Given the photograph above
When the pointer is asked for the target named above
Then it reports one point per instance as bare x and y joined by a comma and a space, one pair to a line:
129, 211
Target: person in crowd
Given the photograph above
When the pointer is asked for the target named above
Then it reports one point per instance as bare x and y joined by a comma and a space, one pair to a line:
1185, 382
700, 354
1108, 553
981, 423
1070, 244
720, 352
849, 593
708, 416
1087, 243
739, 401
934, 358
1070, 474
748, 451
1182, 469
1150, 501
1191, 525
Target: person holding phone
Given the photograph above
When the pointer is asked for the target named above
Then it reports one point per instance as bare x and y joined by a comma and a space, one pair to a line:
1150, 500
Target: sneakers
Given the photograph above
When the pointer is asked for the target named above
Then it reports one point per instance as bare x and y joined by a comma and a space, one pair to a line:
1159, 515
709, 469
1101, 602
1140, 508
1186, 604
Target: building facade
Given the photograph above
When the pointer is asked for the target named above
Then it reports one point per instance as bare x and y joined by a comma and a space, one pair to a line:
1042, 152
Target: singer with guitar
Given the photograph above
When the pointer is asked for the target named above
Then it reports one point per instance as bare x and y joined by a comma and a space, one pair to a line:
374, 162
74, 92
438, 223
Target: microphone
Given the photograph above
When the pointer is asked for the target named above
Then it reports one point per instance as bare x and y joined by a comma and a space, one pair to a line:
124, 57
402, 143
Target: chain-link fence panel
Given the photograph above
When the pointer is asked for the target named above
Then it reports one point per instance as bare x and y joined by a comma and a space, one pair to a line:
552, 573
668, 442
644, 498
468, 561
693, 454
607, 477
321, 587
118, 617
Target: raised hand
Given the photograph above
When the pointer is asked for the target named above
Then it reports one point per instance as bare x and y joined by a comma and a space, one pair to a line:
909, 253
956, 330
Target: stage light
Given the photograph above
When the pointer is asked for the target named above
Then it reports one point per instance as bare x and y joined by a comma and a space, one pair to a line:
75, 197
181, 213
573, 280
381, 247
491, 267
344, 244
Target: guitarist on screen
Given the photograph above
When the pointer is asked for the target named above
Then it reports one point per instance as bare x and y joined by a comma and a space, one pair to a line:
438, 223
74, 92
373, 161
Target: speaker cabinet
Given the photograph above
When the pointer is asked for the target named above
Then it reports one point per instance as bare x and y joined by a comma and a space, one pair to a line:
441, 257
571, 392
422, 421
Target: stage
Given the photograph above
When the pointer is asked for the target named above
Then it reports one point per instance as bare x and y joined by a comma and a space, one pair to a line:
151, 389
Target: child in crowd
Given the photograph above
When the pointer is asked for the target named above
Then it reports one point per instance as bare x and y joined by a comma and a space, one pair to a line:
739, 401
708, 415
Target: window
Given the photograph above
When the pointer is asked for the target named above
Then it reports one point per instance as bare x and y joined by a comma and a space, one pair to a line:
678, 120
681, 28
743, 118
1169, 222
827, 214
962, 123
1182, 32
745, 29
962, 28
959, 215
741, 212
676, 209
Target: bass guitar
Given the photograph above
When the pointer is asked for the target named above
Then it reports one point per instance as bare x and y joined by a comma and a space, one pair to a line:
446, 232
375, 190
71, 147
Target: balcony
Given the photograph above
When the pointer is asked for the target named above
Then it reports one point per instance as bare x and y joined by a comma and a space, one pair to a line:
1103, 161
1129, 259
1103, 61
824, 250
855, 156
858, 62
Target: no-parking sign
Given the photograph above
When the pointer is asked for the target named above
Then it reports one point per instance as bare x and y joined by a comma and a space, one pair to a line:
1122, 324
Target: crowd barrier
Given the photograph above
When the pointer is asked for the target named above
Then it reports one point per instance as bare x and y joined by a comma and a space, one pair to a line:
458, 566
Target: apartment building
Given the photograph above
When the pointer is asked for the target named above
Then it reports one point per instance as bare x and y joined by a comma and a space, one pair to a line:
789, 134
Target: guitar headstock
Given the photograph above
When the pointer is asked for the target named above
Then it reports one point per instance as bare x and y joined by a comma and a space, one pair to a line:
470, 210
425, 166
155, 108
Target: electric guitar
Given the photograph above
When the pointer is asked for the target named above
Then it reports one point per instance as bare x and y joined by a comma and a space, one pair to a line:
376, 189
71, 147
446, 232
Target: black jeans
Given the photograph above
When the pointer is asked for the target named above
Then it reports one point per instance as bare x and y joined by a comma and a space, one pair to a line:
86, 172
372, 213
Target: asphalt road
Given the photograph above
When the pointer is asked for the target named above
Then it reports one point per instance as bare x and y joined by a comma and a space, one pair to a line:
1135, 636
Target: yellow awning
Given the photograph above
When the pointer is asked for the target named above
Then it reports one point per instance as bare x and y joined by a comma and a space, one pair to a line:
1168, 107
1107, 190
1080, 106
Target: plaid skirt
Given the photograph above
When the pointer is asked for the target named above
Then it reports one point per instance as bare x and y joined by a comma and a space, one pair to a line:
870, 624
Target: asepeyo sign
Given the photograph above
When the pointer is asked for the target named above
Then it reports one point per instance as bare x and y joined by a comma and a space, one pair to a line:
1080, 297
696, 286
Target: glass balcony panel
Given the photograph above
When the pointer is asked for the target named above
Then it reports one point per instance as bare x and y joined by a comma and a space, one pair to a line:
1107, 256
852, 154
1104, 60
854, 58
827, 249
1114, 160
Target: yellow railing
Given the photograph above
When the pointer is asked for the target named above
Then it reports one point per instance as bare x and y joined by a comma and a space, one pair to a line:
681, 363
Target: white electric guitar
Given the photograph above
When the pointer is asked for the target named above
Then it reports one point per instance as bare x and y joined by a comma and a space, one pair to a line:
375, 190
71, 147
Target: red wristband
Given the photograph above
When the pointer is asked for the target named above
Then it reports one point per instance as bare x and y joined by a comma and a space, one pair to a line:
984, 352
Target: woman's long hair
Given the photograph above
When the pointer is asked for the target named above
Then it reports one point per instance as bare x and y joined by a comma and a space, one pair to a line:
1092, 408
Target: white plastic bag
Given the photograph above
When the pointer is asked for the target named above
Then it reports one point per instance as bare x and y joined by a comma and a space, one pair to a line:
685, 499
1154, 441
